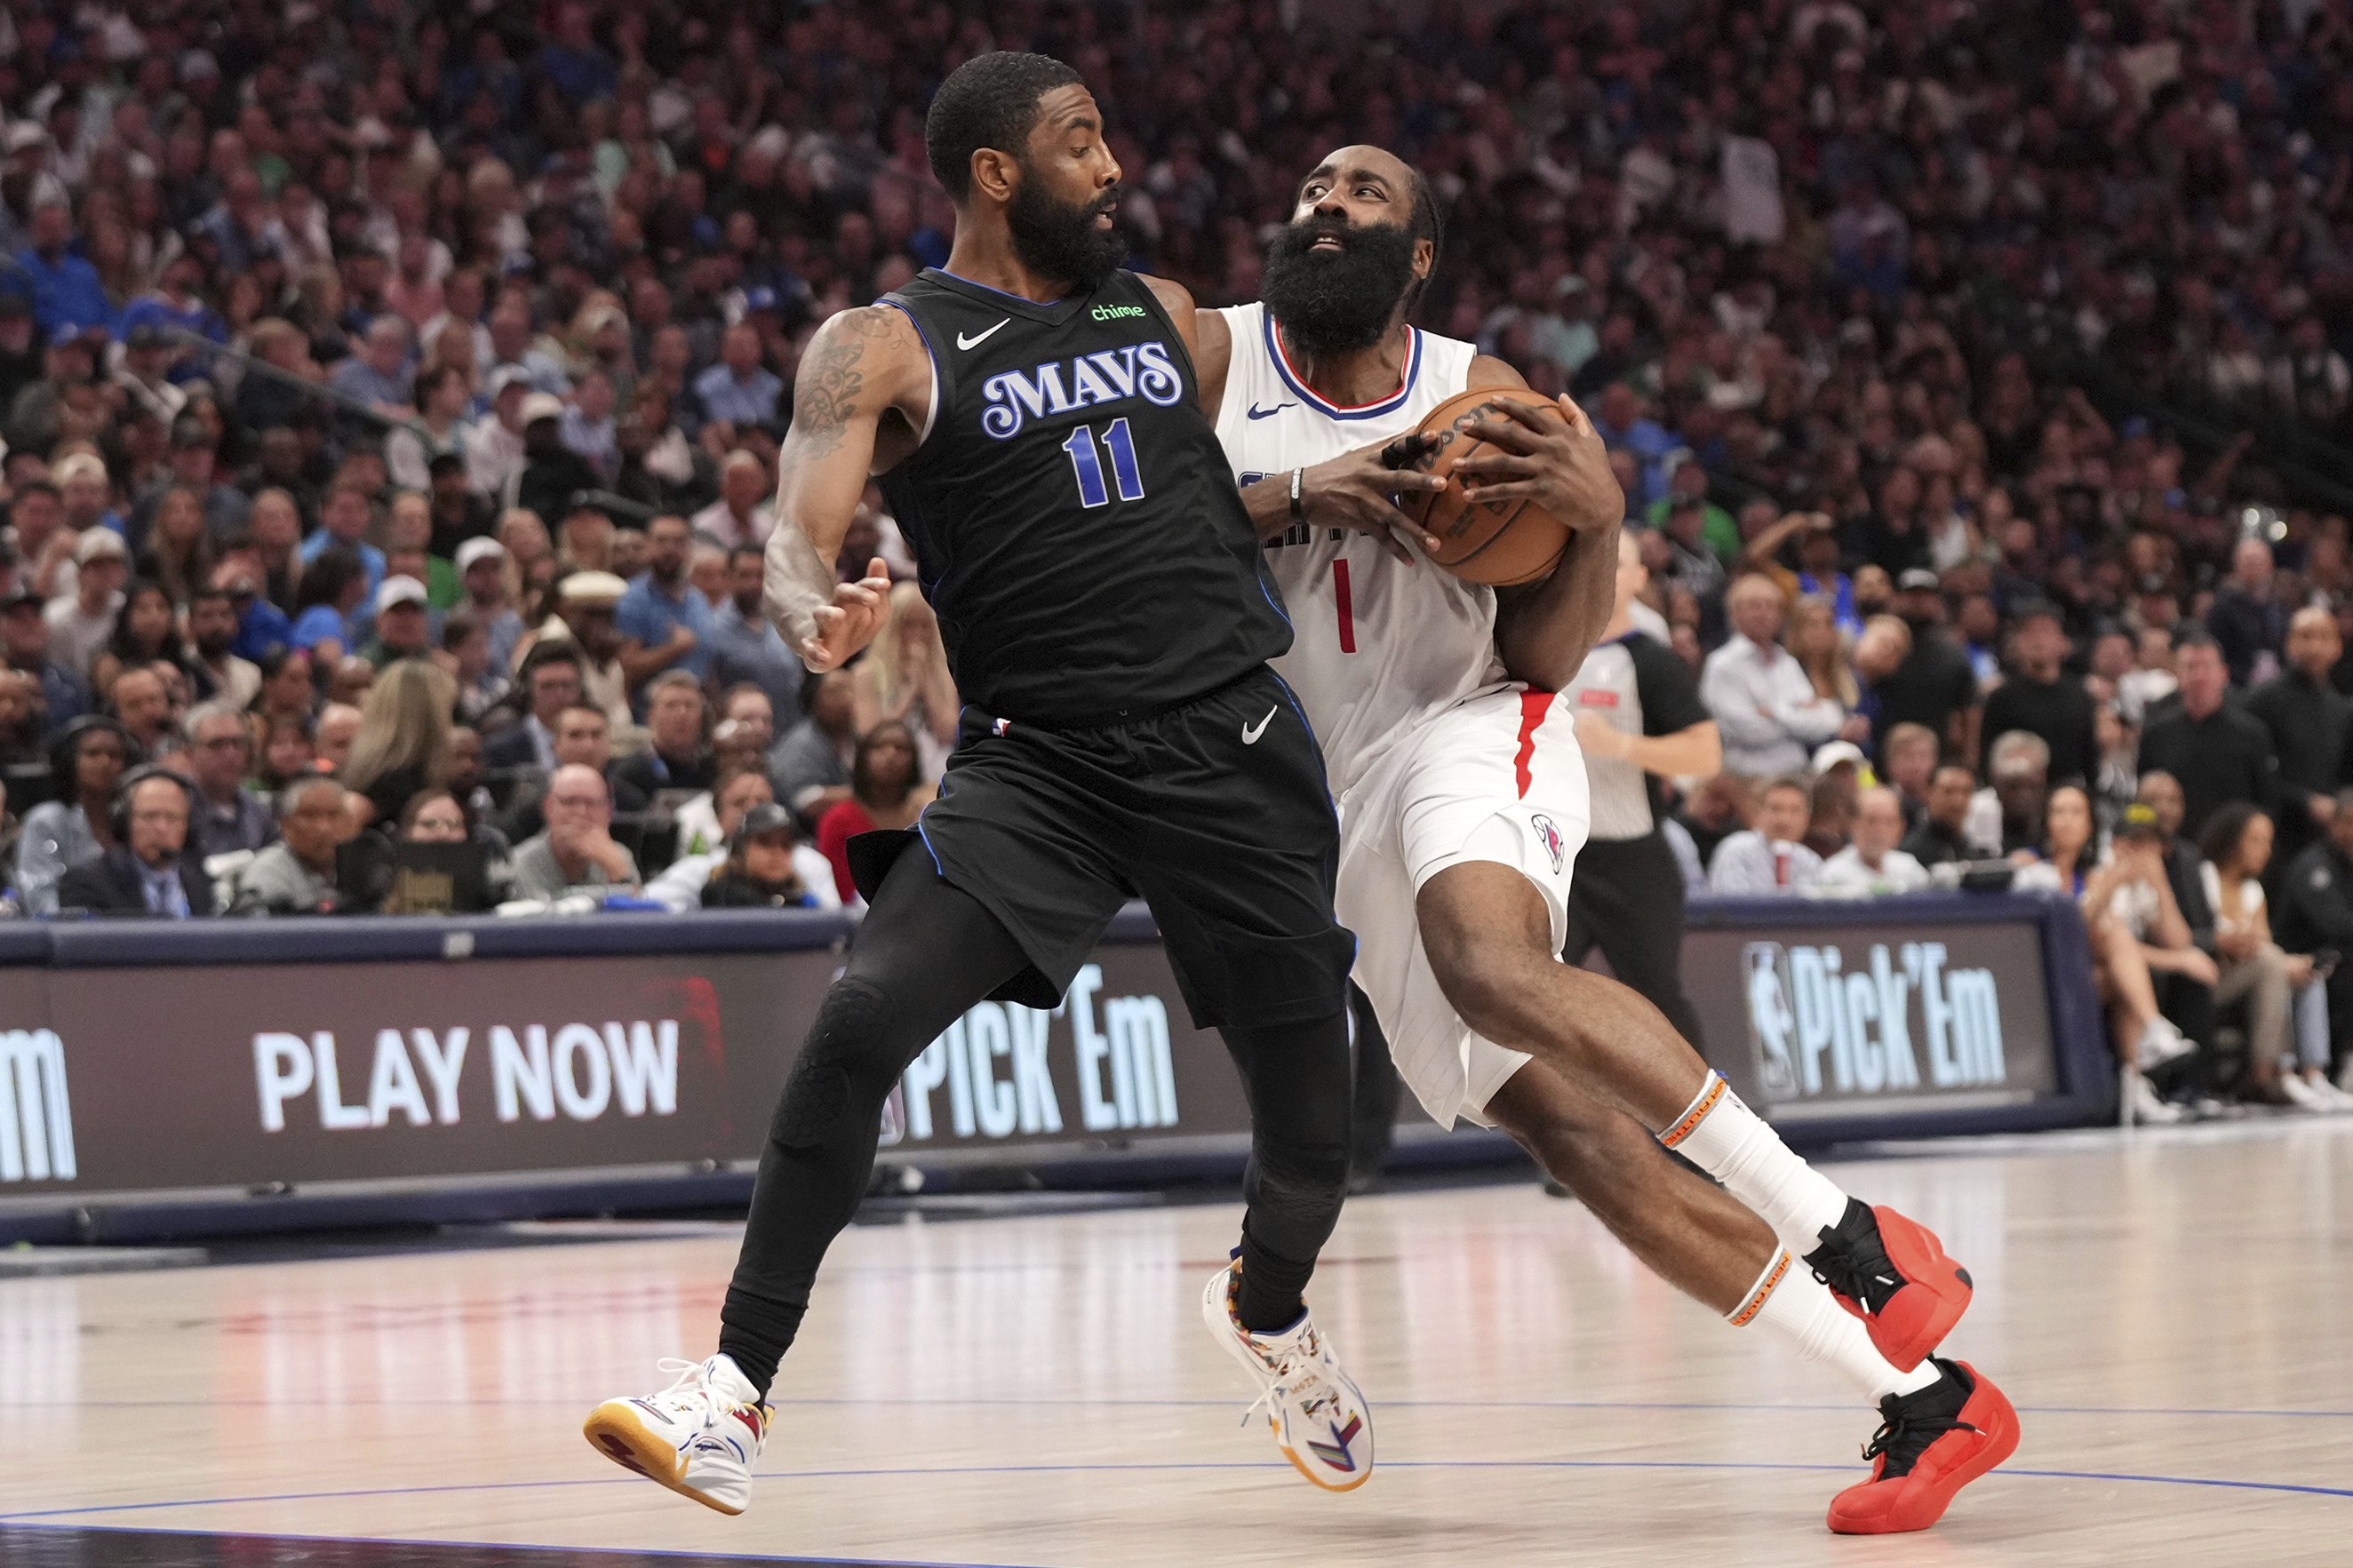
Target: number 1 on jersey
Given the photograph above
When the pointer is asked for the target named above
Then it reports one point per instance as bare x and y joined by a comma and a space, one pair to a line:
1345, 604
1092, 491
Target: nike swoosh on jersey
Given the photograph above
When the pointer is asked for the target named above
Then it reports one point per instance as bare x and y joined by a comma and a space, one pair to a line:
1250, 733
1257, 412
974, 341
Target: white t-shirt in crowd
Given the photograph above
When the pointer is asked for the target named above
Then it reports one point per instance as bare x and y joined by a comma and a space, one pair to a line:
1897, 873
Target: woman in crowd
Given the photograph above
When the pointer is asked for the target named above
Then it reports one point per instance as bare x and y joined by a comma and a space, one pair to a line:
275, 529
2237, 844
886, 789
530, 563
703, 819
433, 816
89, 760
333, 587
1814, 641
904, 679
288, 751
2119, 899
145, 632
403, 746
179, 549
287, 689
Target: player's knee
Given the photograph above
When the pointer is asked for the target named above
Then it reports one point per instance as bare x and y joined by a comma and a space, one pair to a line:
1300, 1179
1484, 982
850, 1062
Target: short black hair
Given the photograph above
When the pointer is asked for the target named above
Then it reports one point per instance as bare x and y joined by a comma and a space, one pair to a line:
990, 101
2195, 636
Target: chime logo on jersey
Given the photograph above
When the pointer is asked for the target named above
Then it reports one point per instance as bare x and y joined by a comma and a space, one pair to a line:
1060, 387
1820, 1028
1550, 838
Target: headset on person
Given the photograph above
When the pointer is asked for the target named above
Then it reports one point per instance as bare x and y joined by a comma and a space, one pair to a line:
118, 815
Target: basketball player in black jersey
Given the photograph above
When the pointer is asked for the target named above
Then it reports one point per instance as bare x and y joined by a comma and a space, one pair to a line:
1032, 413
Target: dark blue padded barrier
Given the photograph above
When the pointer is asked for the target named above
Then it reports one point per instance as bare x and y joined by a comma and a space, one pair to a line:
2084, 1061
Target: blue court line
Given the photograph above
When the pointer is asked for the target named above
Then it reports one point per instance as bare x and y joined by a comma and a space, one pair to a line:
948, 1470
719, 1556
1118, 1405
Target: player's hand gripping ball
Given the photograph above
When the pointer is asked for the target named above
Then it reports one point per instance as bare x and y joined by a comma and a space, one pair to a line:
1509, 537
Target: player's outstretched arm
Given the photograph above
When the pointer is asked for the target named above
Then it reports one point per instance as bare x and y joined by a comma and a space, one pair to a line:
1543, 630
863, 365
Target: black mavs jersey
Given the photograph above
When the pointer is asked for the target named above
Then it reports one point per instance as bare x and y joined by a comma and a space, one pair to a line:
1098, 587
1073, 516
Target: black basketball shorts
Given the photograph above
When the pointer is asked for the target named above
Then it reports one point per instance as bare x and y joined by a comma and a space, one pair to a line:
1216, 813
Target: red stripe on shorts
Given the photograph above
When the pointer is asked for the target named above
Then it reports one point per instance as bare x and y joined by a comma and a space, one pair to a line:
1534, 706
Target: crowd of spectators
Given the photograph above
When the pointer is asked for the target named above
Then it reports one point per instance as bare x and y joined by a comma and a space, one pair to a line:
391, 393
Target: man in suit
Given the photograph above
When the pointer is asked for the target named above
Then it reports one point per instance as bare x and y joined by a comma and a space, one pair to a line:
551, 682
145, 874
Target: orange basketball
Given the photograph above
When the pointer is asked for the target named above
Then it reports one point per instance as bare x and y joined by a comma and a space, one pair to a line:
1498, 542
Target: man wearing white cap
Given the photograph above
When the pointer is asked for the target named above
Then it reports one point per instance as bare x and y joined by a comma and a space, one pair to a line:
553, 473
481, 568
80, 623
404, 628
584, 607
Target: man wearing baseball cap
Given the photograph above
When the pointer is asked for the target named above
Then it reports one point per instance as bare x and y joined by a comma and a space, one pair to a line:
553, 473
80, 625
482, 571
25, 644
403, 626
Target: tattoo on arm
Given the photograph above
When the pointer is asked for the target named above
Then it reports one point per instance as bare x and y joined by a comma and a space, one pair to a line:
825, 396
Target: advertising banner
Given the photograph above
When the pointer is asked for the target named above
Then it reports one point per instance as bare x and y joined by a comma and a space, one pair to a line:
137, 1080
209, 1074
1829, 1019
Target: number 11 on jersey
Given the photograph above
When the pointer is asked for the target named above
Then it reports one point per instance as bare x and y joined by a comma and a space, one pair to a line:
1093, 492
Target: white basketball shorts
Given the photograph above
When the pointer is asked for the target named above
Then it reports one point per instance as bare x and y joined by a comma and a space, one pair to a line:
1496, 777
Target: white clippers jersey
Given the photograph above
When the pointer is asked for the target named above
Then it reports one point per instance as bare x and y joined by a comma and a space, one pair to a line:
1376, 645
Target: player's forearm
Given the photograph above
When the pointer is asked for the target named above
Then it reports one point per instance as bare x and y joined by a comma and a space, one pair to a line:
1543, 633
1268, 501
1683, 754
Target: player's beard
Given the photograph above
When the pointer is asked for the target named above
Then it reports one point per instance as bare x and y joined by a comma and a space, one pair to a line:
1336, 303
1059, 240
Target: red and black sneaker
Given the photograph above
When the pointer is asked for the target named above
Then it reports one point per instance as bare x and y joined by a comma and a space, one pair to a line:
1892, 1273
1932, 1444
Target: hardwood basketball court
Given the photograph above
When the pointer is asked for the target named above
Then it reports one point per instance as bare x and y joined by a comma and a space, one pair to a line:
2168, 1309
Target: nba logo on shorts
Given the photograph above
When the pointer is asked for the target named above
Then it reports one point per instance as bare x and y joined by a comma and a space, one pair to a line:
1000, 726
1551, 837
1772, 1020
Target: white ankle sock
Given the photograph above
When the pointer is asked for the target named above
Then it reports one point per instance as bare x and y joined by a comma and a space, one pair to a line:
1794, 1307
1731, 1143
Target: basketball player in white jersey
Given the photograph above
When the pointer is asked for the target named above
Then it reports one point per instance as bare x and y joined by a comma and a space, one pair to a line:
1463, 803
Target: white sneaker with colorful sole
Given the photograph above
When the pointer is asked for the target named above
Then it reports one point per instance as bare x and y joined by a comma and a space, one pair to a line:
700, 1437
1321, 1420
